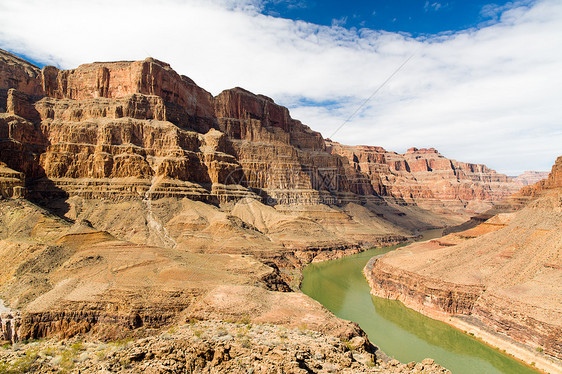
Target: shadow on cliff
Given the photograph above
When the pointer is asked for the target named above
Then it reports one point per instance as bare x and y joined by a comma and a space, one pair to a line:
46, 194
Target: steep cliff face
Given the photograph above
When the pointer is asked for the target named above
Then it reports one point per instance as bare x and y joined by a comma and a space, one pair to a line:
426, 178
505, 273
83, 131
160, 195
18, 74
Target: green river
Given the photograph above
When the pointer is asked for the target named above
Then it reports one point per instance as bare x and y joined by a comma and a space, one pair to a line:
398, 331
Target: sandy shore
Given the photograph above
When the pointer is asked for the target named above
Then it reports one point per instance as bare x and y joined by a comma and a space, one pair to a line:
505, 344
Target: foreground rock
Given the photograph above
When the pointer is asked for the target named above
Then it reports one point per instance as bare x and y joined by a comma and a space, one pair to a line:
210, 347
504, 275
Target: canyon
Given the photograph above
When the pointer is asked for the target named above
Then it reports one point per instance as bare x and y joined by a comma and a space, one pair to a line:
501, 278
133, 200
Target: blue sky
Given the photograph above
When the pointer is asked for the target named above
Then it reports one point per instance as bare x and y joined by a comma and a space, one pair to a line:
482, 83
416, 17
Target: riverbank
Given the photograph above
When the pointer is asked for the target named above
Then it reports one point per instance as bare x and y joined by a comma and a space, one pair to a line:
486, 335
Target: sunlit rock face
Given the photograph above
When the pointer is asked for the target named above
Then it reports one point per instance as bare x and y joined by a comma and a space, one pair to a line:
425, 178
102, 122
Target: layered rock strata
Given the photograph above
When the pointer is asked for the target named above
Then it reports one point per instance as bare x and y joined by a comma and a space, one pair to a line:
504, 273
426, 178
66, 279
108, 130
158, 202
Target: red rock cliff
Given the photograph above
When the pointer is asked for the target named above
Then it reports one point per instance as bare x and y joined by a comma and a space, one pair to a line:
428, 179
84, 131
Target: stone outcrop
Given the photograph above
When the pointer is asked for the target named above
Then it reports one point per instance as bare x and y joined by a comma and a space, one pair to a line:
504, 273
12, 183
217, 347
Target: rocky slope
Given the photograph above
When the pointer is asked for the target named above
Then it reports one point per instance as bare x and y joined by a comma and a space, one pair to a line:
210, 347
133, 200
504, 274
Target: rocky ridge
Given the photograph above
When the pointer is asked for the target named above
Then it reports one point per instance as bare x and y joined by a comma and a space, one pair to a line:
211, 347
141, 121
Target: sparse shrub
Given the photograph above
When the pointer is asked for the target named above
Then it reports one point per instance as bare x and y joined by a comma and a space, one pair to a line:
78, 346
67, 359
245, 343
241, 332
49, 351
101, 355
120, 343
125, 363
539, 349
23, 364
221, 331
246, 320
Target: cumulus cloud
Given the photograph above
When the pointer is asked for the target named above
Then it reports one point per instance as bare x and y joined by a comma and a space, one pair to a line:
490, 94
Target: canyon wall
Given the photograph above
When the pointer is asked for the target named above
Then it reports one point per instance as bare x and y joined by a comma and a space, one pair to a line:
427, 179
504, 274
112, 129
147, 199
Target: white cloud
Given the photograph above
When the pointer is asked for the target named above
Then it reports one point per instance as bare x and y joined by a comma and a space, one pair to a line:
489, 95
436, 6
